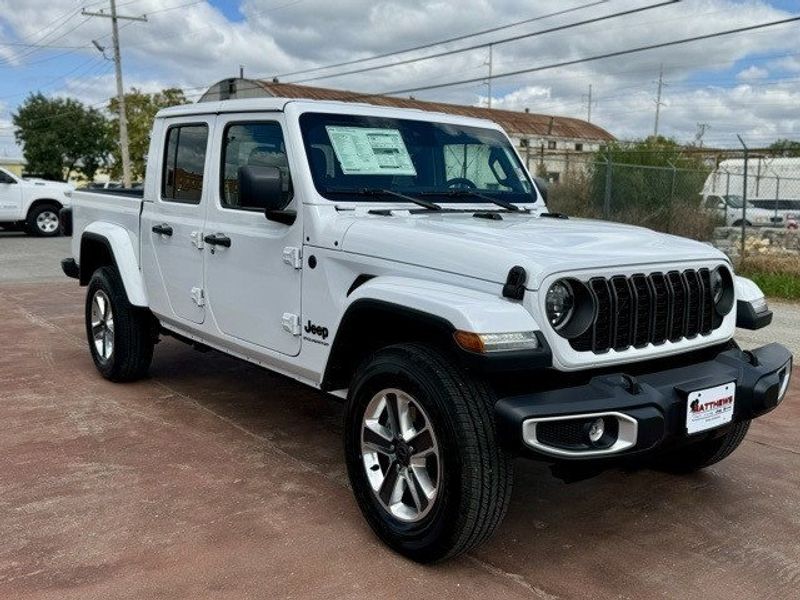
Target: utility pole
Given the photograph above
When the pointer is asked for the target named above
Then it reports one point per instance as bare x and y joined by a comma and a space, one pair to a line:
744, 198
588, 99
123, 119
701, 131
659, 104
489, 81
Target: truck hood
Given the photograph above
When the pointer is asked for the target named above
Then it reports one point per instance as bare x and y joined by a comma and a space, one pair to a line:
487, 249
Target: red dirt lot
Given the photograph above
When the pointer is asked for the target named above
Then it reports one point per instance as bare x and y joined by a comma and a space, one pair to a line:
215, 479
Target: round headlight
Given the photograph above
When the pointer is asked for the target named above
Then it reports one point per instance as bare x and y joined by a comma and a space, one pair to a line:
722, 291
717, 286
559, 303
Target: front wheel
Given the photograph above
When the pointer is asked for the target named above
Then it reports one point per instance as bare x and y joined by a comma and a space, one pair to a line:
121, 336
705, 453
43, 221
422, 454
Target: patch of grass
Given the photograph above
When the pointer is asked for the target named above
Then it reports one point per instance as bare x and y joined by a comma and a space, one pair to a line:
777, 276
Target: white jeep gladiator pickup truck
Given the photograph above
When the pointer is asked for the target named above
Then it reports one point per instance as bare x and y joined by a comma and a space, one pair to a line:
406, 261
32, 204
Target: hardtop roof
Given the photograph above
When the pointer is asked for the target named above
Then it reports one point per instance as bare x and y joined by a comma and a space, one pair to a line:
268, 104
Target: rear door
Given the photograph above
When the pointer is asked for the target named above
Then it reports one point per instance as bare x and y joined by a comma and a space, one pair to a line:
172, 224
253, 281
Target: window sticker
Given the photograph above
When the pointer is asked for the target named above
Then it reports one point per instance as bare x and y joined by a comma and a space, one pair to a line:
368, 151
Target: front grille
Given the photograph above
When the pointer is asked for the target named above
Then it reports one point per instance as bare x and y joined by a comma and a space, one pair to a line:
648, 309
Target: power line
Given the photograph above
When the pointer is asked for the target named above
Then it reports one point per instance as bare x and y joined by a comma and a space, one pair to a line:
493, 43
445, 41
596, 57
61, 36
168, 8
28, 45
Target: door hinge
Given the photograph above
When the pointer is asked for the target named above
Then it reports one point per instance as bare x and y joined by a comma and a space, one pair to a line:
198, 297
291, 323
293, 256
197, 239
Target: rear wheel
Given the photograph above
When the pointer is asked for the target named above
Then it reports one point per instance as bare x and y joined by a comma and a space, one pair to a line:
705, 453
43, 220
424, 462
121, 336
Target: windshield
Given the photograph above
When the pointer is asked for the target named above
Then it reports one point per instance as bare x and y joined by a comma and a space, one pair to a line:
349, 154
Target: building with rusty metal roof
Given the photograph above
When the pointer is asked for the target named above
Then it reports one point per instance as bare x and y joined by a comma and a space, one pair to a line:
550, 144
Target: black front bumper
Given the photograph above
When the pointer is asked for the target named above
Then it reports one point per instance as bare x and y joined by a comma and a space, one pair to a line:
656, 400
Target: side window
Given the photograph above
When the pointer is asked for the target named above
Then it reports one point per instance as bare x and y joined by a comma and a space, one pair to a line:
184, 163
257, 144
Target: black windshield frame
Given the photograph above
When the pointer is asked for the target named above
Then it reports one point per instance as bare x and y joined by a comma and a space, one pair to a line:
427, 144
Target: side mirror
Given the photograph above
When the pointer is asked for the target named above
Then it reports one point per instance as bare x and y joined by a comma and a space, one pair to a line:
262, 188
541, 185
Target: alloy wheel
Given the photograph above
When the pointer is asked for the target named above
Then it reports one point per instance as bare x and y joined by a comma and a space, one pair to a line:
400, 454
102, 326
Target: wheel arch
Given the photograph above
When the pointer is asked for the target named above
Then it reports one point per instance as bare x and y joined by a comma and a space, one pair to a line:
390, 310
39, 202
356, 335
105, 244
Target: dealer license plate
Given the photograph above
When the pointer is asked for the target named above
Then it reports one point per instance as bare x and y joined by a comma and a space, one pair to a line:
710, 408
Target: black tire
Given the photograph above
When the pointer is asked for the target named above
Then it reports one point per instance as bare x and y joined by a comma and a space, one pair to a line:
133, 335
476, 475
738, 223
705, 453
47, 212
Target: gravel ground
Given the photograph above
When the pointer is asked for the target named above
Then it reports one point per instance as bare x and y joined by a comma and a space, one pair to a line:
216, 479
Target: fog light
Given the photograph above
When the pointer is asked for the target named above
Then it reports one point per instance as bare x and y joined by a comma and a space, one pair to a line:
597, 430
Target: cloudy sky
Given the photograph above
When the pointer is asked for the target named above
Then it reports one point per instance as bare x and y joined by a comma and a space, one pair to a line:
747, 83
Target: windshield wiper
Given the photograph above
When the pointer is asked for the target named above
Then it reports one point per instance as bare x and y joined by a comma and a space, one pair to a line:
384, 192
460, 193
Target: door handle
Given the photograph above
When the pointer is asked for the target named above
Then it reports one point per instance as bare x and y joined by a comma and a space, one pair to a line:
218, 239
162, 229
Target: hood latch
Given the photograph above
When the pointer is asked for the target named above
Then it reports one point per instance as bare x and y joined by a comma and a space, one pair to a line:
515, 283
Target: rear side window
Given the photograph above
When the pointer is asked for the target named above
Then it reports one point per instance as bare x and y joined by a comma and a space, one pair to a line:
184, 163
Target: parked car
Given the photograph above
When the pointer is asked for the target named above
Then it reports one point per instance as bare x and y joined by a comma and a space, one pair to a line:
406, 262
32, 204
761, 212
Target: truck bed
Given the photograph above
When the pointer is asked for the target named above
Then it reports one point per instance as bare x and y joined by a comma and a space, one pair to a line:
93, 208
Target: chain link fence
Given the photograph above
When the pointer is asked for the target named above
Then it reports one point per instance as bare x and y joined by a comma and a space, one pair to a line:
690, 202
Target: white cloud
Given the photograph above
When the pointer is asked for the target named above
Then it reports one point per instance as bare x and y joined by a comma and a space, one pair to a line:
196, 46
752, 73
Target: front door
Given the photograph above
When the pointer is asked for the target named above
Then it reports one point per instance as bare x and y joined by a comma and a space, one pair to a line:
253, 282
172, 224
10, 198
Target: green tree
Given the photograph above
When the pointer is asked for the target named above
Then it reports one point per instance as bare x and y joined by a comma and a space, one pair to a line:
140, 110
786, 147
647, 174
61, 136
